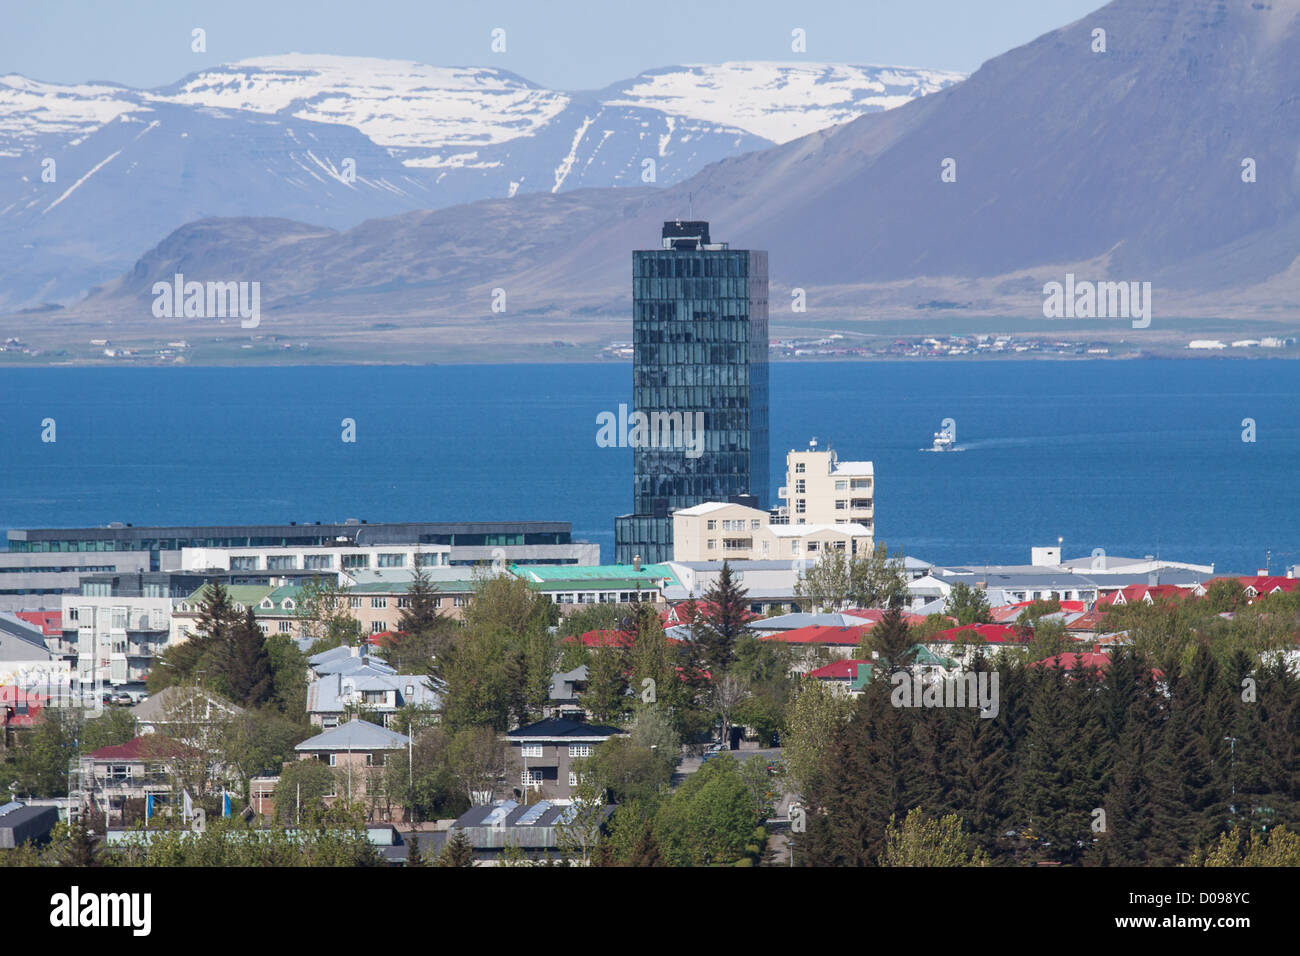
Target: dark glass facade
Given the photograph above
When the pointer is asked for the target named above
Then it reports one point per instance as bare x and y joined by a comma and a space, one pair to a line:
700, 346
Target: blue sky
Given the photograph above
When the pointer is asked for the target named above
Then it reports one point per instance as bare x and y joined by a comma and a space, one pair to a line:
561, 44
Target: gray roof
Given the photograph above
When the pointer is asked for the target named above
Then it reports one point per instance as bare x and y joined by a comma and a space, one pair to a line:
21, 640
788, 622
562, 684
327, 694
342, 660
356, 734
154, 709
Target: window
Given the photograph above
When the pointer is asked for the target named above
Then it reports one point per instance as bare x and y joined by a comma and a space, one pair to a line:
531, 750
318, 562
282, 562
800, 487
800, 506
334, 760
713, 544
841, 486
286, 627
427, 560
375, 760
812, 545
244, 563
354, 602
755, 525
712, 525
72, 614
841, 504
579, 750
377, 627
530, 778
379, 602
798, 468
410, 690
403, 602
119, 619
394, 560
354, 561
459, 600
573, 779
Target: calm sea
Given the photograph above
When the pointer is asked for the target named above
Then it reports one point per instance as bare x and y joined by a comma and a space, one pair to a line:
1136, 457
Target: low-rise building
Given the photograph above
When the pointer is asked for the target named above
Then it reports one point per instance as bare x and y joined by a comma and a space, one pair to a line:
717, 531
358, 751
543, 754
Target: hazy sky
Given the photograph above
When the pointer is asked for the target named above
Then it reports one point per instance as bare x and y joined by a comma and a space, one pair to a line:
562, 44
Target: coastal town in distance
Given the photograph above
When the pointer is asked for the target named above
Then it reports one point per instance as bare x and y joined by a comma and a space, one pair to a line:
515, 441
753, 680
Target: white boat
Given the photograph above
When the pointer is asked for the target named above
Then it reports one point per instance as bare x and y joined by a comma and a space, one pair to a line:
942, 442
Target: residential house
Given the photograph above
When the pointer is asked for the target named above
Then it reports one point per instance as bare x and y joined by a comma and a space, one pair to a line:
176, 710
369, 689
537, 828
544, 754
358, 751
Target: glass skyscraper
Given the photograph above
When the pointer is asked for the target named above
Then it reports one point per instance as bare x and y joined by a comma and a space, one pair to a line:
700, 351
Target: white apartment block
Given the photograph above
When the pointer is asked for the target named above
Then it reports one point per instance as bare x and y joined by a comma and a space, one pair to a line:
116, 637
820, 489
338, 561
718, 531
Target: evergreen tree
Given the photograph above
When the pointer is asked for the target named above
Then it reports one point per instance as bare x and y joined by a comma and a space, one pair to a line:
246, 668
457, 851
413, 855
725, 617
647, 852
216, 615
891, 638
606, 693
424, 631
968, 605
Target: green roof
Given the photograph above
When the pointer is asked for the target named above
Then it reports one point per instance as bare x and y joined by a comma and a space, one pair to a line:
244, 594
596, 584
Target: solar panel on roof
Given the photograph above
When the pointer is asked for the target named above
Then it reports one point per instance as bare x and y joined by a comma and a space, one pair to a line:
533, 813
10, 807
498, 815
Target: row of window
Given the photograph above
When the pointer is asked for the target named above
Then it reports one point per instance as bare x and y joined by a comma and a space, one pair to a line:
536, 750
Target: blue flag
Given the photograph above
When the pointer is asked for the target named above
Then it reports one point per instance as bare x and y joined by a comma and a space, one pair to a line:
225, 804
148, 806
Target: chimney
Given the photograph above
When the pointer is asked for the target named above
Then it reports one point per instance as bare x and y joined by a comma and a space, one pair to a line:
636, 563
356, 650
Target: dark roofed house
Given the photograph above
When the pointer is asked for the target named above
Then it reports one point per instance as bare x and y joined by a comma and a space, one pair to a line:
544, 753
20, 823
535, 828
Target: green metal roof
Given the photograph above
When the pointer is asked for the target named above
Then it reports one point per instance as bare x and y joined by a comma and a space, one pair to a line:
244, 594
596, 584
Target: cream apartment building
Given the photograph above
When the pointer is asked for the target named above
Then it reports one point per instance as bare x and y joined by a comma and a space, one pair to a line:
717, 531
820, 489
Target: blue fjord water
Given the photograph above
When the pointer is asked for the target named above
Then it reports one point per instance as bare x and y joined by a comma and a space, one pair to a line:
1136, 457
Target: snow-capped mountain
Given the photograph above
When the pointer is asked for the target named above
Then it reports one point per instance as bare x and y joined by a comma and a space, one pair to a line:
333, 141
776, 101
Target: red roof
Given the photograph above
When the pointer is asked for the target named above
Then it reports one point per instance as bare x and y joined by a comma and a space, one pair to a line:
1143, 592
676, 613
817, 634
609, 638
838, 670
1009, 612
992, 633
1086, 622
16, 697
148, 747
50, 622
1071, 660
1267, 584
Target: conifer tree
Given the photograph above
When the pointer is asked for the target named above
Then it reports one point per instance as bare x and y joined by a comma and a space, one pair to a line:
891, 638
724, 618
457, 851
246, 666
